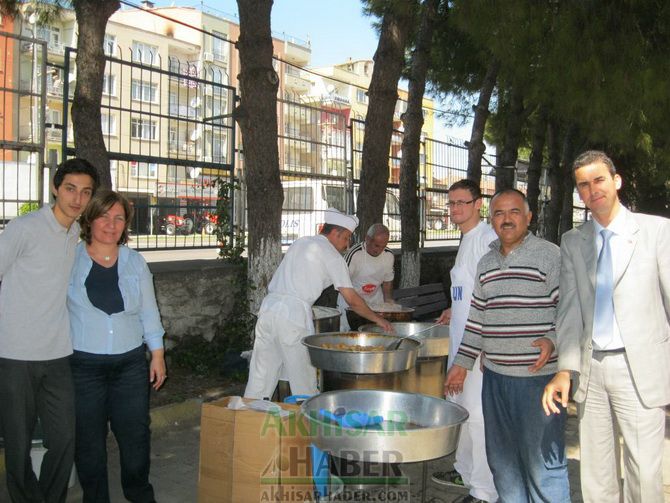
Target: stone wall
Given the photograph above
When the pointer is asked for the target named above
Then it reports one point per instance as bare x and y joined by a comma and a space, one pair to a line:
195, 297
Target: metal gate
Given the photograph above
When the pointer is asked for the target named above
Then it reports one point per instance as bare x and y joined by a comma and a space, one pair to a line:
169, 131
22, 130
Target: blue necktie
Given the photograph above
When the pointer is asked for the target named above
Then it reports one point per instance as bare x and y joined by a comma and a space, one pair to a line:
603, 316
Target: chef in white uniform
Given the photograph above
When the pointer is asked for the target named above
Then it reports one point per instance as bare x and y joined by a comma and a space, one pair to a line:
310, 265
371, 269
470, 468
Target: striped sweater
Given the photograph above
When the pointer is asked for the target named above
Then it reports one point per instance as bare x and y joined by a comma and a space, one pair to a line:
514, 302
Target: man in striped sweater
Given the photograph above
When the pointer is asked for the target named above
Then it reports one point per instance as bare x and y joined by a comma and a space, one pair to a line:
511, 324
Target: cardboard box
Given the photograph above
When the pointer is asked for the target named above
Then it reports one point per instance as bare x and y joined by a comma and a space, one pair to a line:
248, 456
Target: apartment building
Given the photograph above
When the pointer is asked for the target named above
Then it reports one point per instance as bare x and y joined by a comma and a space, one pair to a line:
7, 99
345, 85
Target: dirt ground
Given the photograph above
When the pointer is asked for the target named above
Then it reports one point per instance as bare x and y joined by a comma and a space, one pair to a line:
183, 384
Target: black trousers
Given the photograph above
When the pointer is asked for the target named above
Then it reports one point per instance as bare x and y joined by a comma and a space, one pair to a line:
28, 390
114, 390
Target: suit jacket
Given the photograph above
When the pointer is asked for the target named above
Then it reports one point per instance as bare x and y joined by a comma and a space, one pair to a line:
641, 305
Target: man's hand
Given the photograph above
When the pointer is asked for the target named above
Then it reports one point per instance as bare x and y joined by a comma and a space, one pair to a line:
556, 391
445, 317
453, 384
385, 325
546, 349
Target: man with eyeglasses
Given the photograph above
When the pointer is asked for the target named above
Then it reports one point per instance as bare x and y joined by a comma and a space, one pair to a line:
470, 469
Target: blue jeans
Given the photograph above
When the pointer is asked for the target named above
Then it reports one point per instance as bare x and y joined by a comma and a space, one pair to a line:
525, 448
112, 389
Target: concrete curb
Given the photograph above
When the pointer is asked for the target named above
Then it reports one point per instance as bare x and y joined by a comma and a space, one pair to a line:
173, 413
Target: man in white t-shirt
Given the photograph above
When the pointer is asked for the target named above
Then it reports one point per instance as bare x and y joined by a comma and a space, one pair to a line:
310, 265
470, 469
371, 269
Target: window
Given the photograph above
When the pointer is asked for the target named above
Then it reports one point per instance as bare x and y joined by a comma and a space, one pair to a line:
143, 129
144, 91
53, 117
109, 45
361, 96
334, 196
143, 169
109, 84
218, 75
145, 53
298, 198
108, 124
218, 106
392, 204
50, 34
218, 45
218, 148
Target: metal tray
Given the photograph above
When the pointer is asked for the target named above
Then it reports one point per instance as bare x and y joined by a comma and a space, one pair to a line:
361, 362
435, 341
414, 427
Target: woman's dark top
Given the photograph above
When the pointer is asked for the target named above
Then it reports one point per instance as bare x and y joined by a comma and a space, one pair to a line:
102, 287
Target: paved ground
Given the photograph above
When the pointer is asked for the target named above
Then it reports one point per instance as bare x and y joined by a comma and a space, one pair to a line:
174, 470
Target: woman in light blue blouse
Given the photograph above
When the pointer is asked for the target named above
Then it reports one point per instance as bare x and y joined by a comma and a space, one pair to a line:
113, 316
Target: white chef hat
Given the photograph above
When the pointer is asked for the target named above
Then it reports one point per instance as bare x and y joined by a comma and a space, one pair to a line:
336, 217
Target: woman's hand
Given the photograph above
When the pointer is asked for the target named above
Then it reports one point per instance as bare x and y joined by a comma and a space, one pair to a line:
157, 371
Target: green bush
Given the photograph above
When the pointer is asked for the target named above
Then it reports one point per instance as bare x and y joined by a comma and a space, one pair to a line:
28, 207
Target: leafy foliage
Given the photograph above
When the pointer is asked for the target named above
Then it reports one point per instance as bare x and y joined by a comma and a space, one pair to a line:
231, 237
28, 207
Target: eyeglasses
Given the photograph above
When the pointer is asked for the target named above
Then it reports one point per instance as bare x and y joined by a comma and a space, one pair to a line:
459, 204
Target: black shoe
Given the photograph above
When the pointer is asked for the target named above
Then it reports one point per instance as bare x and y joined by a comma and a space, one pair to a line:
468, 499
451, 478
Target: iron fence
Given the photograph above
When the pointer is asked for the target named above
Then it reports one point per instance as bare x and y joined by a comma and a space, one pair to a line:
22, 116
168, 127
170, 135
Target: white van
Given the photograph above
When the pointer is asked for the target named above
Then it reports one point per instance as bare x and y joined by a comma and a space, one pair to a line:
306, 200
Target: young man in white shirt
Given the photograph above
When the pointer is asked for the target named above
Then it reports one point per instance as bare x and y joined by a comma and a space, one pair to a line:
470, 469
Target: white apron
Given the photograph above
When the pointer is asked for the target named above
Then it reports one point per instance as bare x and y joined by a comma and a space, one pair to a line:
462, 285
283, 321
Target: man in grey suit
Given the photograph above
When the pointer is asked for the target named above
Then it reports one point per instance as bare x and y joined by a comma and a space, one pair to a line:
613, 337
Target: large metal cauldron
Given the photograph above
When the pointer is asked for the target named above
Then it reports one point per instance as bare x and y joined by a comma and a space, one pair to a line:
391, 313
413, 427
344, 369
326, 319
428, 374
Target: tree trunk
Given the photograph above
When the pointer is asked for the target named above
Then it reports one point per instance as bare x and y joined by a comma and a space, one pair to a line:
535, 166
506, 164
476, 147
411, 144
567, 180
92, 17
553, 208
383, 94
256, 115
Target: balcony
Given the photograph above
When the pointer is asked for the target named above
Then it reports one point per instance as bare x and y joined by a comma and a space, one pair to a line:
296, 52
296, 83
56, 48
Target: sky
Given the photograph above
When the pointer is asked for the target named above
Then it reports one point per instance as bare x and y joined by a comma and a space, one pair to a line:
337, 30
